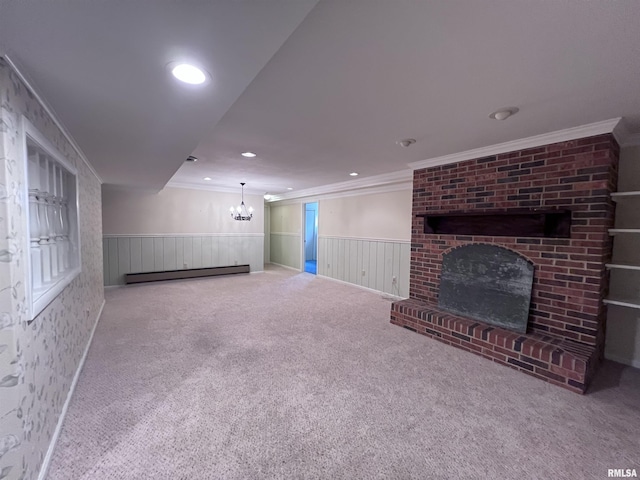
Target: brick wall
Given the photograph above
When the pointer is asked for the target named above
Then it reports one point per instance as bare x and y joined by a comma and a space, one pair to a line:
570, 279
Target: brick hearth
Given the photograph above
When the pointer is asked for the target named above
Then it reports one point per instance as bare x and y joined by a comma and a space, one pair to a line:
565, 336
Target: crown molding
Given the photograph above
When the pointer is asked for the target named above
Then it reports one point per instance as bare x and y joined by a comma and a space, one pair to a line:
386, 182
53, 116
583, 131
349, 193
212, 188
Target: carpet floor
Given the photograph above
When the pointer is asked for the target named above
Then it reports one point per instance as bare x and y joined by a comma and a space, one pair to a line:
287, 375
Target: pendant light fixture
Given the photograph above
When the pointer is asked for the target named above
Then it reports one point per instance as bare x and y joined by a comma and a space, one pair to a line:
241, 212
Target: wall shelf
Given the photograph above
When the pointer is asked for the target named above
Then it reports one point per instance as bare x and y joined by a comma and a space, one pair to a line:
618, 195
623, 299
622, 302
622, 266
615, 231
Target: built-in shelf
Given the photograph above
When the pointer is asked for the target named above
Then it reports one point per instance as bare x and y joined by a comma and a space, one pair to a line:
614, 231
623, 266
617, 195
622, 302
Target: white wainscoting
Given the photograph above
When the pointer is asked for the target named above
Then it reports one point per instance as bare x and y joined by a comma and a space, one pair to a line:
370, 263
151, 253
285, 249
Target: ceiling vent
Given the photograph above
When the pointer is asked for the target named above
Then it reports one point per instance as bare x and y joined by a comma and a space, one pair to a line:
191, 158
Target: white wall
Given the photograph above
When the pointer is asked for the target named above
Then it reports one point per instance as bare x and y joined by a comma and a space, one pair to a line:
177, 211
363, 238
178, 228
39, 359
377, 216
623, 323
285, 234
629, 171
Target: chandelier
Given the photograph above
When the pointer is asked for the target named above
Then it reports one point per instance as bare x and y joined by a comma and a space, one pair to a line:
241, 212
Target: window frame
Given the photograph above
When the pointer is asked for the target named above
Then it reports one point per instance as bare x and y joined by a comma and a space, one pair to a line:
37, 301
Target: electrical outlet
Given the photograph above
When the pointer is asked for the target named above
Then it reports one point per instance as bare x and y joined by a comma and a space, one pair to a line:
236, 262
328, 265
394, 280
364, 273
184, 265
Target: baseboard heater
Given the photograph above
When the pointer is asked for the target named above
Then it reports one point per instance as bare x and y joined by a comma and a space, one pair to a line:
186, 273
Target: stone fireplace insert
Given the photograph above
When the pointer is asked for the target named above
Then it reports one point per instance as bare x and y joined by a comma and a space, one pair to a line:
487, 283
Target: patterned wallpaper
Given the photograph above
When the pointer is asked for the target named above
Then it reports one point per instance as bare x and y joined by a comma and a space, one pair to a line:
39, 359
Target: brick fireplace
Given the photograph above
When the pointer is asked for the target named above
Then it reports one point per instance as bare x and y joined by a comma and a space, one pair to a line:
565, 332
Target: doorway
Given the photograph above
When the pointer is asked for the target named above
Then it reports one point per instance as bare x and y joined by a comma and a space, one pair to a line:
311, 237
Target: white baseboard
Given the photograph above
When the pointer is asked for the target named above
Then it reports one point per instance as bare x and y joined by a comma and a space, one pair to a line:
52, 445
625, 361
286, 266
373, 290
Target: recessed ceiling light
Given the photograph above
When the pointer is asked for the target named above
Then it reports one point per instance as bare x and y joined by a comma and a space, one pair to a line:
191, 158
207, 178
248, 154
289, 188
188, 74
504, 113
407, 142
354, 174
267, 197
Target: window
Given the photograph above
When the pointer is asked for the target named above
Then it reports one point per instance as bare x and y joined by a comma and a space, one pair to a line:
54, 242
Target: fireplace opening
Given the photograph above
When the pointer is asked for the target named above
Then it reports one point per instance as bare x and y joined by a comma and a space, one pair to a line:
488, 283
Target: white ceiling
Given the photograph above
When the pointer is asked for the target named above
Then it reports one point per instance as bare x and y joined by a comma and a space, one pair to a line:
318, 92
101, 65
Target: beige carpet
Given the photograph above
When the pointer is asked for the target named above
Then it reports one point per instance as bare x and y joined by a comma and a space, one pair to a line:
285, 375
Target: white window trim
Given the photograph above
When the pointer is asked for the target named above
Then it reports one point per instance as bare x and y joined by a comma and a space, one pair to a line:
36, 305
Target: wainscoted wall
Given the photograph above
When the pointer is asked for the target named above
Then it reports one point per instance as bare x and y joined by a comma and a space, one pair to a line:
367, 262
285, 249
368, 230
149, 253
39, 359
